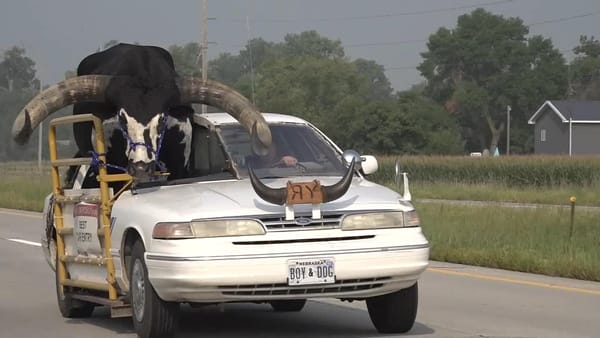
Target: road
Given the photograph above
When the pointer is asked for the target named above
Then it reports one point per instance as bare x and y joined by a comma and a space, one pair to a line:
455, 301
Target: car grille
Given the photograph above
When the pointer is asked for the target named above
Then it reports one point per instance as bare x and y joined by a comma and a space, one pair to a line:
346, 285
302, 222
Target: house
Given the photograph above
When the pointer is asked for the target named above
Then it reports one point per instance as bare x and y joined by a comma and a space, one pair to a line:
567, 127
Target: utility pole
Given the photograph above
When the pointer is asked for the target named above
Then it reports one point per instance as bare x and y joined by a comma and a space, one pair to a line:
507, 130
40, 133
204, 47
251, 60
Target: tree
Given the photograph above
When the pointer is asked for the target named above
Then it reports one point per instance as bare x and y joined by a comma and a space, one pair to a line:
233, 68
314, 88
257, 52
585, 70
17, 71
230, 69
187, 59
588, 46
311, 43
18, 85
411, 124
485, 64
374, 74
226, 68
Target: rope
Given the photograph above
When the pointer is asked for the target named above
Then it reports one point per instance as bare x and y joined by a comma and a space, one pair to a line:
97, 162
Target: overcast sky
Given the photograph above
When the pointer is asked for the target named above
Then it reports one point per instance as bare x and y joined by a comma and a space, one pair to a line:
57, 34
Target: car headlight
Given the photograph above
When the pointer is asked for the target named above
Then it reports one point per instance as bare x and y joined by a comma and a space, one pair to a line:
207, 228
382, 220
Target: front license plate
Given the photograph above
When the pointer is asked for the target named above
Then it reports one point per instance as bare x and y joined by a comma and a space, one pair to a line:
311, 271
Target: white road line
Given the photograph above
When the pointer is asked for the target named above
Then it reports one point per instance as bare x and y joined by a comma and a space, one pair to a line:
15, 212
22, 241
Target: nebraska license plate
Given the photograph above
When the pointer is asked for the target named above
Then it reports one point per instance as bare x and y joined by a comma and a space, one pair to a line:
311, 271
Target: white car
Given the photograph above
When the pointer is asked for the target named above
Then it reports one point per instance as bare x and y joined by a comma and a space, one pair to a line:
213, 238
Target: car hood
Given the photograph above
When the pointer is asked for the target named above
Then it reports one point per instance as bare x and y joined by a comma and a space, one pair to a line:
237, 197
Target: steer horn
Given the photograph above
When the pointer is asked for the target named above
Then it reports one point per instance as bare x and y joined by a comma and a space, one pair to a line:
216, 94
89, 88
279, 195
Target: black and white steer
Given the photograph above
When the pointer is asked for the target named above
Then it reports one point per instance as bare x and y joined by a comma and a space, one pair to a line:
145, 108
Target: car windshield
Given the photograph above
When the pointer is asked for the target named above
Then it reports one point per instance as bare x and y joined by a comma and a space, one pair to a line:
297, 150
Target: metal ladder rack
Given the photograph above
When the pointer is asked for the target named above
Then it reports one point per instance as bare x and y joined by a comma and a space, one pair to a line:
104, 231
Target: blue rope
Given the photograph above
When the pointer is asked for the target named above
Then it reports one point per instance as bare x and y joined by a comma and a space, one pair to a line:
97, 162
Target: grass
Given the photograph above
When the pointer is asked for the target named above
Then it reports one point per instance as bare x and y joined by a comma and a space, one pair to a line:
532, 240
510, 171
589, 196
23, 186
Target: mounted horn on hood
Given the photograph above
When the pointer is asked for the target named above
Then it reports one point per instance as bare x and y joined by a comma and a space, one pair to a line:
280, 195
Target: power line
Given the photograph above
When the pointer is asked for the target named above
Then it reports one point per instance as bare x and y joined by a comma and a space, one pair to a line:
544, 22
402, 42
377, 16
385, 43
562, 19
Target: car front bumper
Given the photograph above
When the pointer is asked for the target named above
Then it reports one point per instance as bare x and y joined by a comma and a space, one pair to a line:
360, 273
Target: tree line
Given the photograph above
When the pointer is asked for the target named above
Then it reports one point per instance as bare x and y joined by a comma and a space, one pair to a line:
472, 72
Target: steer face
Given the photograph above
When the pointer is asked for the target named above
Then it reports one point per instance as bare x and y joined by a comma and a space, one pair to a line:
143, 142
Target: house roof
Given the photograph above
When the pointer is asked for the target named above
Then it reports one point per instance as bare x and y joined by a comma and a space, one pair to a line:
574, 111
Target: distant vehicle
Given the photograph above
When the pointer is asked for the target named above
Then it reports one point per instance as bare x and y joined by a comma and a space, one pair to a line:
240, 229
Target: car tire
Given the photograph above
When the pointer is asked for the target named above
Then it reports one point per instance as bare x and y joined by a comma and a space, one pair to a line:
394, 312
70, 308
290, 305
152, 317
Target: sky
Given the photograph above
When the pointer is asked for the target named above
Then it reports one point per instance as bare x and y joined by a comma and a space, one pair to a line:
57, 34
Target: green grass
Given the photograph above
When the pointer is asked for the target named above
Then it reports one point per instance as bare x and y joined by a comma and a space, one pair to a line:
589, 196
531, 240
23, 186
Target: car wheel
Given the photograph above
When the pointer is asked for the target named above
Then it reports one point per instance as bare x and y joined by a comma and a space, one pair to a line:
394, 312
70, 308
291, 305
152, 317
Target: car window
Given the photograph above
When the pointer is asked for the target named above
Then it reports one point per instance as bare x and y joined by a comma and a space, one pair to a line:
313, 153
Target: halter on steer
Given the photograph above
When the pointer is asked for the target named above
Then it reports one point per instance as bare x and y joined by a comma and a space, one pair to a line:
97, 162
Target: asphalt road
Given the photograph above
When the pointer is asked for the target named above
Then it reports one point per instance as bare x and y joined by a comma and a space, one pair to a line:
455, 301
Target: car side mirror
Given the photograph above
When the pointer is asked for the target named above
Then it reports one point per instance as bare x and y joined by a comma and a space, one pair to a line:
350, 155
367, 164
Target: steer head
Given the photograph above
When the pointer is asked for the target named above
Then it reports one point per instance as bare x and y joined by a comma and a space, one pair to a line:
146, 111
142, 142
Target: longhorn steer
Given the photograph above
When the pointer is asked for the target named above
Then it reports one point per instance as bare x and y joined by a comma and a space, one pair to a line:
144, 106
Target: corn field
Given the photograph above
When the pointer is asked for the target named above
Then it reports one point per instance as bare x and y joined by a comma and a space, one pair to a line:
513, 171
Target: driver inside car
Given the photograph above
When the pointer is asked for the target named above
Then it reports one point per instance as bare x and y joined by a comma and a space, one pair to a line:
274, 159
